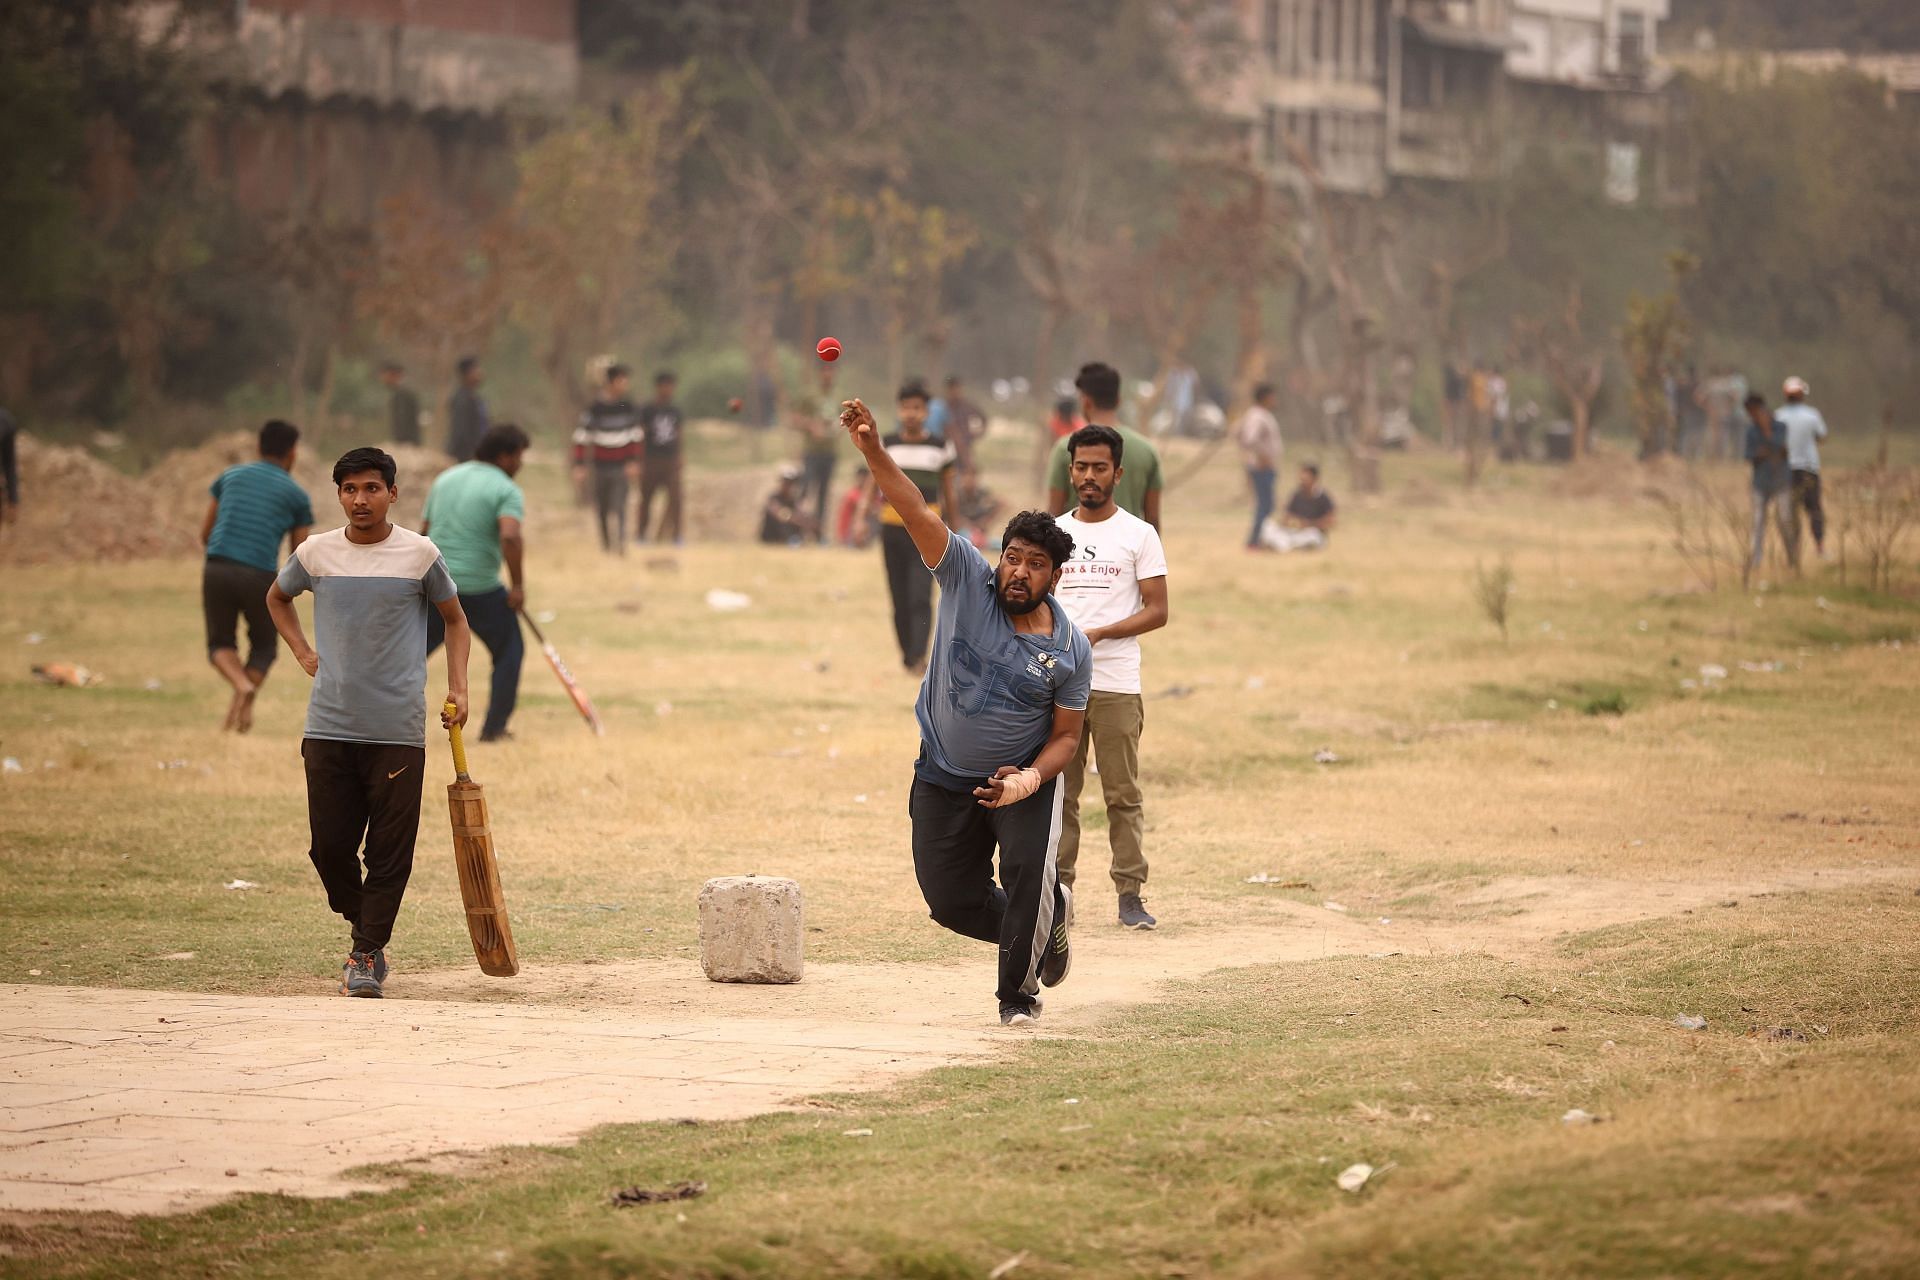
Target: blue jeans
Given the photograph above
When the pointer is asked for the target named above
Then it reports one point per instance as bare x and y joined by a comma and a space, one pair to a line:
498, 628
1263, 478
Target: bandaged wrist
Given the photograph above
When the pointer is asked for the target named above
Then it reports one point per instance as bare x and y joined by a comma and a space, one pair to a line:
1016, 787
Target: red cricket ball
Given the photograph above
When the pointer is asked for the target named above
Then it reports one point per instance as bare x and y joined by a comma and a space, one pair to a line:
829, 349
733, 405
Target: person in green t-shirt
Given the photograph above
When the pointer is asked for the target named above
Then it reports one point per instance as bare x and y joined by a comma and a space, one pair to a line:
474, 515
1138, 491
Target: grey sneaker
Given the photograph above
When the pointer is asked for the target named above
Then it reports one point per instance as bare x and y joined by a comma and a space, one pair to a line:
359, 976
1058, 957
1133, 913
1018, 1015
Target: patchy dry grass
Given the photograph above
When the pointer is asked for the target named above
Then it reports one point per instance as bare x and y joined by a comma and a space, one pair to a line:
1202, 1136
779, 740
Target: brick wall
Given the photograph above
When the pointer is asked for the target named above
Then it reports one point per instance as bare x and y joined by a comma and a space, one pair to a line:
548, 21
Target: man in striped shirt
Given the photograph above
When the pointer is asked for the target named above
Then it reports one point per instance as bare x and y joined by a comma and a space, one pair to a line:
929, 463
254, 506
606, 452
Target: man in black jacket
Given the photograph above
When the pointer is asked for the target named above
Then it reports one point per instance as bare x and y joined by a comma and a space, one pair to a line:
466, 411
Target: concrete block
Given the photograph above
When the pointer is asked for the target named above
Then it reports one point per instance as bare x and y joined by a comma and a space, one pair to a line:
751, 929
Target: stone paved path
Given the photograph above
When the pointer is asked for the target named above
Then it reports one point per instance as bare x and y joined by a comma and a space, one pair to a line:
157, 1101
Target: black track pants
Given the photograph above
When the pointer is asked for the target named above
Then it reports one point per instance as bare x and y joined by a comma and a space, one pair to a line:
953, 846
369, 789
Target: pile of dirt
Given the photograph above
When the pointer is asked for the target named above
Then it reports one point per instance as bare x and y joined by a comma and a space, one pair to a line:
195, 468
724, 506
77, 508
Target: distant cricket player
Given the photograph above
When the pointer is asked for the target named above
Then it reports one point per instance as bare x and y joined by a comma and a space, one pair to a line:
254, 506
365, 743
1000, 716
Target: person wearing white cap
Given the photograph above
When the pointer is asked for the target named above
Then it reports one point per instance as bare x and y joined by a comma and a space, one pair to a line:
1805, 429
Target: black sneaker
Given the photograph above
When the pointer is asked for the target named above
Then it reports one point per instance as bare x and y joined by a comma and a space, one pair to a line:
1133, 913
358, 976
1018, 1015
1058, 958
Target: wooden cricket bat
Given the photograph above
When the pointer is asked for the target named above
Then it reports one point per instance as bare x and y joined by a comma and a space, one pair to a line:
581, 702
479, 872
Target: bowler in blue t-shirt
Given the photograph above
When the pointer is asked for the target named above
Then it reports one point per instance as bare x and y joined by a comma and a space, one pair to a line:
1000, 712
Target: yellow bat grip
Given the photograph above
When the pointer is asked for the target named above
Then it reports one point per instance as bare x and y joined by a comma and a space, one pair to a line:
459, 747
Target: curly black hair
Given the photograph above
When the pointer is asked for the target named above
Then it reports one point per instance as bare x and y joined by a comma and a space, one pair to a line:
1038, 528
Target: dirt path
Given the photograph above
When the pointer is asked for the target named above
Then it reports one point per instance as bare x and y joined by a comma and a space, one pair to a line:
150, 1102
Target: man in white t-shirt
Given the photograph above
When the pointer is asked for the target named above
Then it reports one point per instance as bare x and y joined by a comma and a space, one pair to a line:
1805, 430
1115, 589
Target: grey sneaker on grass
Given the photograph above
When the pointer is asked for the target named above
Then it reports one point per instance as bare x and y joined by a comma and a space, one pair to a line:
1018, 1015
1133, 913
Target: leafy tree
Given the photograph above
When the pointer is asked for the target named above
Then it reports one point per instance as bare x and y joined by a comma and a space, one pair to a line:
1655, 337
594, 231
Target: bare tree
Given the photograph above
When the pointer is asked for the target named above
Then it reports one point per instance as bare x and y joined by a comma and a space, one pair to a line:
1559, 343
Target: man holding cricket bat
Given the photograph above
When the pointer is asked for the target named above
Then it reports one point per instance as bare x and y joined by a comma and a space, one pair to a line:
373, 586
473, 514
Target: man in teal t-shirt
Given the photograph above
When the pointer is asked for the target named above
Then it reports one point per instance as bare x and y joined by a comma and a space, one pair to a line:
473, 515
254, 506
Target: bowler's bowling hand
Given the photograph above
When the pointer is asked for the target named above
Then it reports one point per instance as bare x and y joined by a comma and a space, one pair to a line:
458, 716
309, 661
991, 795
858, 420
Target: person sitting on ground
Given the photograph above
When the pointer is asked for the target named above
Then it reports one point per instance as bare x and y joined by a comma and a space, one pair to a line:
782, 522
979, 508
1308, 518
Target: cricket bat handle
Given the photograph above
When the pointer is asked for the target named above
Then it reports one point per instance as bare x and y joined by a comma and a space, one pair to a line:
459, 746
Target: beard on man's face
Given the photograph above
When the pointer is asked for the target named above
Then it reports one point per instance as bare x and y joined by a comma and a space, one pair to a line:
1018, 605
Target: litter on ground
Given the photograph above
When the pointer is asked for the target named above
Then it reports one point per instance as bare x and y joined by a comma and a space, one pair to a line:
643, 1195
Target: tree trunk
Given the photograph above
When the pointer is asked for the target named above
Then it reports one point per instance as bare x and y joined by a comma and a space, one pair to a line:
1052, 320
329, 376
1582, 424
896, 348
1250, 367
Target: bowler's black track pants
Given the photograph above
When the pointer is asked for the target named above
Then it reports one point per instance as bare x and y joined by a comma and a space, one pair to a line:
953, 845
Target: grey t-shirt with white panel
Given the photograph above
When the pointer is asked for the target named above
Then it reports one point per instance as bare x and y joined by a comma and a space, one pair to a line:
370, 603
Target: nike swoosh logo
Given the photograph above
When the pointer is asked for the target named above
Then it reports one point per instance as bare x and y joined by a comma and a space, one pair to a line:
396, 773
